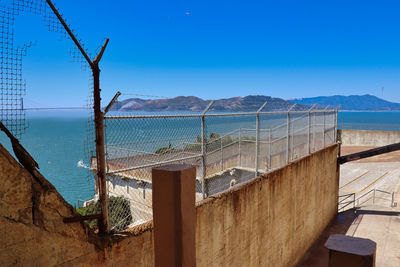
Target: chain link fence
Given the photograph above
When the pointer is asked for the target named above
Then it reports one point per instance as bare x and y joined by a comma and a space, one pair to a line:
226, 148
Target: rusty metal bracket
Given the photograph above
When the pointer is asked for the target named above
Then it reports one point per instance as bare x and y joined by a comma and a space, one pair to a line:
111, 102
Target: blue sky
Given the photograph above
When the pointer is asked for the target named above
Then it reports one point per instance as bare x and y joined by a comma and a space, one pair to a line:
216, 49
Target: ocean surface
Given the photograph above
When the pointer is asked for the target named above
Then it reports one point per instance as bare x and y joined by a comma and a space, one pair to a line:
56, 140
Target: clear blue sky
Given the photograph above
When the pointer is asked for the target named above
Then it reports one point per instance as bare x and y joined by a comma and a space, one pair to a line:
216, 49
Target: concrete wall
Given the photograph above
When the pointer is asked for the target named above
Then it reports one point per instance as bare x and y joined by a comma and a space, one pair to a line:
368, 138
269, 221
33, 232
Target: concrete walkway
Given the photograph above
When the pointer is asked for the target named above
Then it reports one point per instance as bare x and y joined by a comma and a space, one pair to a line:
381, 225
377, 223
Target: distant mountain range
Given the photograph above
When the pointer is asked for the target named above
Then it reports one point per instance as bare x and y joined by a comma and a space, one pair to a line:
352, 102
252, 103
192, 103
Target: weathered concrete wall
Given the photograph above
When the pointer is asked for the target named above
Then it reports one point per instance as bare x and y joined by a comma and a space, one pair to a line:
368, 138
269, 221
273, 220
33, 232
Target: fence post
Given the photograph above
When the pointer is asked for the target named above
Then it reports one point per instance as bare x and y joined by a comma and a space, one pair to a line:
336, 125
309, 130
98, 120
204, 149
269, 149
324, 112
292, 142
222, 155
174, 215
336, 121
323, 135
240, 139
258, 136
287, 137
104, 225
308, 134
354, 200
288, 133
257, 139
314, 129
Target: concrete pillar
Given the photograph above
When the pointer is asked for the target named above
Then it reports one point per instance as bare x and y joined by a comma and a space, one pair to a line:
174, 215
348, 251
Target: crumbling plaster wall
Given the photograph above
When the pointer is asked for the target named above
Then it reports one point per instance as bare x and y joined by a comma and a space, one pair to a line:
33, 232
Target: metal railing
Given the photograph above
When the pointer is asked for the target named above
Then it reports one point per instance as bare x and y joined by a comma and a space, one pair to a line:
226, 148
342, 203
365, 198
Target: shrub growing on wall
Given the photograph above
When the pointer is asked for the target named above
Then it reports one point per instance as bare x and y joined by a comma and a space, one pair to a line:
119, 213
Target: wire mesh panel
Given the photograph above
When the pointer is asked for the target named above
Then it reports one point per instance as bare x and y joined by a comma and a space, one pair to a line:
227, 149
135, 145
229, 142
318, 128
299, 135
279, 139
13, 87
330, 128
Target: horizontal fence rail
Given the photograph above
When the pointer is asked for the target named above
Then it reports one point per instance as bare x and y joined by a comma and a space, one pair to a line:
350, 200
226, 148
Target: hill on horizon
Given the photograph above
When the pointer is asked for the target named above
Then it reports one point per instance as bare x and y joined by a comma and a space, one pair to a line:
250, 103
351, 102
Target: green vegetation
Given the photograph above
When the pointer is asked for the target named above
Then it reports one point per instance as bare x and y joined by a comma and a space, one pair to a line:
214, 140
168, 148
119, 210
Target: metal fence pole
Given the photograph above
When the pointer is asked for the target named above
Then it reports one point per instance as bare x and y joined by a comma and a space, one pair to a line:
288, 133
204, 149
336, 126
336, 122
240, 139
98, 120
257, 139
222, 156
258, 136
292, 142
269, 149
324, 129
314, 129
309, 130
308, 133
323, 133
287, 137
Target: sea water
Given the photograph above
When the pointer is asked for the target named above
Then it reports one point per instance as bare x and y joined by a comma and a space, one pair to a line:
371, 120
56, 141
